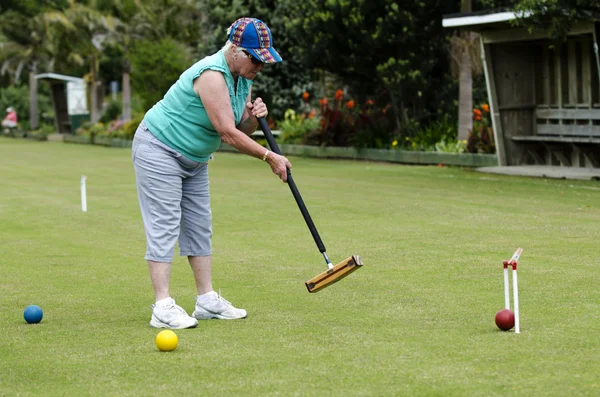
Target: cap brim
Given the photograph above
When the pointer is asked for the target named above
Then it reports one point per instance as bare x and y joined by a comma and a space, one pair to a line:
266, 55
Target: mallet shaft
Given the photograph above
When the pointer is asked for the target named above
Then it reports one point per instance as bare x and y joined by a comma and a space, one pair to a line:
290, 181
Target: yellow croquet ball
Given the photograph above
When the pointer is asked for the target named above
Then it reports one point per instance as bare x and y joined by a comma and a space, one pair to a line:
166, 340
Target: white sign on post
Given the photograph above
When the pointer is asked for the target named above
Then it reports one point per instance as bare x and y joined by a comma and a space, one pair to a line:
76, 98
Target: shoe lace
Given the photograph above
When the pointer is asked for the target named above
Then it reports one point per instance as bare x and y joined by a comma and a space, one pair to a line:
220, 298
173, 306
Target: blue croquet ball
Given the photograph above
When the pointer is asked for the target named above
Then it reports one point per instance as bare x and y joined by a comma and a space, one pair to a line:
33, 314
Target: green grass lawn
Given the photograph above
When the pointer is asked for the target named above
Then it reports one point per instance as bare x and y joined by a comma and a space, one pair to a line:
416, 320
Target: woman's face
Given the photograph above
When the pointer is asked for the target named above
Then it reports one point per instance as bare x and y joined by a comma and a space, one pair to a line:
248, 65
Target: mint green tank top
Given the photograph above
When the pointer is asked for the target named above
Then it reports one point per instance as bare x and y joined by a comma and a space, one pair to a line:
180, 121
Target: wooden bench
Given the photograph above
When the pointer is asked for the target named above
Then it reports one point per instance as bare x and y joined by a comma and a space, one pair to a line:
565, 134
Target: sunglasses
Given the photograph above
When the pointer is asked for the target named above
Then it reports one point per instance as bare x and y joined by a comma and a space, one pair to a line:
252, 58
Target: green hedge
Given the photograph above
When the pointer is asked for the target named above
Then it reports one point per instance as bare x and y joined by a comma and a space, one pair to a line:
393, 156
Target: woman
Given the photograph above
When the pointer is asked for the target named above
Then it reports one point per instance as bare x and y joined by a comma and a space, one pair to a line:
211, 102
10, 120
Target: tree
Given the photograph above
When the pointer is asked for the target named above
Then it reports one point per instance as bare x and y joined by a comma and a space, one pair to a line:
83, 30
22, 47
157, 65
391, 50
280, 85
556, 15
25, 48
132, 25
182, 20
464, 51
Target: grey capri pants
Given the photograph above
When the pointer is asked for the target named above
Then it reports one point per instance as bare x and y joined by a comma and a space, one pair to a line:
173, 191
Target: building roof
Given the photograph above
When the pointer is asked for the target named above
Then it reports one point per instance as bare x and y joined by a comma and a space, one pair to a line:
480, 18
495, 18
59, 77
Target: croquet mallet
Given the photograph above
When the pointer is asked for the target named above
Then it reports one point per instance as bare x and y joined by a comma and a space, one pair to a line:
333, 273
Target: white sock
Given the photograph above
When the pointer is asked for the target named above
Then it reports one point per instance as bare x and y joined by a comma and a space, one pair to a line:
164, 301
207, 297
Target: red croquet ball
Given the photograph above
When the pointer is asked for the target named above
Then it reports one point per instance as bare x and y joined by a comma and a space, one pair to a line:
505, 319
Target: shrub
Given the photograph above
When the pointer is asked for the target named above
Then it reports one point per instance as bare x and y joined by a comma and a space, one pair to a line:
125, 130
92, 130
452, 146
442, 131
17, 97
156, 65
345, 122
43, 132
295, 127
112, 111
114, 129
481, 137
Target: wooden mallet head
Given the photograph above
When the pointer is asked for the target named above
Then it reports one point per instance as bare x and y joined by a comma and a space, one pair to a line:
334, 274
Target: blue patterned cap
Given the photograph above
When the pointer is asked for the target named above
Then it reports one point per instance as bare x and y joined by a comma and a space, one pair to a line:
255, 36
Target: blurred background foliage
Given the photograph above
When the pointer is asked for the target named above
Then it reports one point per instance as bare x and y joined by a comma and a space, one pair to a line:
391, 60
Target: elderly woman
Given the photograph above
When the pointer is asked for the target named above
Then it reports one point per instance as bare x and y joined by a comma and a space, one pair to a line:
211, 102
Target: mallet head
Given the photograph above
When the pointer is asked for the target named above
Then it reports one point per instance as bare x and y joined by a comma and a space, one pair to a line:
334, 274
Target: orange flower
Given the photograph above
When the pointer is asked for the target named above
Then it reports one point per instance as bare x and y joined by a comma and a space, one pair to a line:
339, 94
369, 102
477, 112
312, 113
350, 104
485, 108
477, 117
305, 96
323, 101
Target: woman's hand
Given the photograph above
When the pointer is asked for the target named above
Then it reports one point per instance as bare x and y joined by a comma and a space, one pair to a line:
279, 165
258, 108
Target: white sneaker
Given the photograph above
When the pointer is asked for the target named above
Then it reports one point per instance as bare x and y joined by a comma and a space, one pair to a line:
213, 305
169, 315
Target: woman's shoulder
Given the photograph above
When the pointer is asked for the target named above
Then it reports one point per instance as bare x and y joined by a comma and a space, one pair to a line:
210, 62
216, 61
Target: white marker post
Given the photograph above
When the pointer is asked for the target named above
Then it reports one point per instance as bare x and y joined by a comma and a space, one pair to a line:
83, 194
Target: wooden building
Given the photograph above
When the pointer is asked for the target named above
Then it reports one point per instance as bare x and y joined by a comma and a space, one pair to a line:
544, 94
69, 100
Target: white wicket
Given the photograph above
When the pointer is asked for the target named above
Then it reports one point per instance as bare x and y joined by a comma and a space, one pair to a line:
506, 289
513, 263
516, 298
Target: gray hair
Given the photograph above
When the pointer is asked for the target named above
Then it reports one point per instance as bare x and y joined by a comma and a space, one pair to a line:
228, 45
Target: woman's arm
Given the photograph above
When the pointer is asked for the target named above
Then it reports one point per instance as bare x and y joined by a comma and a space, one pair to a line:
212, 89
249, 123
